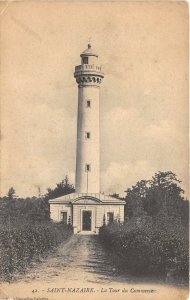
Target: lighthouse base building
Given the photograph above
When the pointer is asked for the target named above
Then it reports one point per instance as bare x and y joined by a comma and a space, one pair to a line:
87, 209
87, 212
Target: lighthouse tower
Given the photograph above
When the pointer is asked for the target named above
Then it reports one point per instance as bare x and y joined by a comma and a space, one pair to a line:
88, 77
87, 209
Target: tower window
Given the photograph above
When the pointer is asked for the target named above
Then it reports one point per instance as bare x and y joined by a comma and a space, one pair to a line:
87, 168
87, 135
85, 60
88, 103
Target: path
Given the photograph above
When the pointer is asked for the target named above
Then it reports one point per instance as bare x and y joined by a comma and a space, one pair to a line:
82, 255
82, 262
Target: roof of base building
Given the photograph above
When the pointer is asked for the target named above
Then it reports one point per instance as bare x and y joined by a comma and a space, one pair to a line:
74, 197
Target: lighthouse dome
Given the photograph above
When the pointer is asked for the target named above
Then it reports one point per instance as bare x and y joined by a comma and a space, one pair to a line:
89, 52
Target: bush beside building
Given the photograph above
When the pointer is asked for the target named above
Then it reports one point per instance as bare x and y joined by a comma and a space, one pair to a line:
154, 239
148, 249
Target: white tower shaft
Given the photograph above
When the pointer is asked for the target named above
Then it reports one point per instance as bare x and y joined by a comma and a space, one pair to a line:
88, 76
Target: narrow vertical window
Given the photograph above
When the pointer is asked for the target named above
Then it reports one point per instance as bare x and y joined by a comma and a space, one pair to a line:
87, 168
88, 103
87, 135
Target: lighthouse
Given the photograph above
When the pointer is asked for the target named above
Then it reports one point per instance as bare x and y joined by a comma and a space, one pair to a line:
88, 77
87, 209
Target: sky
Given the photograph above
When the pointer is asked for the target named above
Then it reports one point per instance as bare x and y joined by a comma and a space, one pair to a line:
143, 50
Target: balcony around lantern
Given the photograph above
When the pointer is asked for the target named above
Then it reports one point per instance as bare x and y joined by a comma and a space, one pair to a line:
88, 69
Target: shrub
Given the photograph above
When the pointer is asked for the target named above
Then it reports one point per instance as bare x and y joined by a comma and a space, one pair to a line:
148, 249
20, 244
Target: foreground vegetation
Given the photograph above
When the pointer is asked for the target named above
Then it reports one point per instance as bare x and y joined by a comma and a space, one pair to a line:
154, 238
25, 243
26, 232
148, 250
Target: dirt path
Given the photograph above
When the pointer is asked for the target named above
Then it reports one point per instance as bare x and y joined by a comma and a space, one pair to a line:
83, 262
82, 255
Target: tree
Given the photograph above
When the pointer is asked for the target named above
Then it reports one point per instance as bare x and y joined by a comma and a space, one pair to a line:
7, 207
166, 193
134, 199
11, 193
161, 195
61, 189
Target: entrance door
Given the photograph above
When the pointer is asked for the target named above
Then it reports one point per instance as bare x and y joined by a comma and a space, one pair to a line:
86, 220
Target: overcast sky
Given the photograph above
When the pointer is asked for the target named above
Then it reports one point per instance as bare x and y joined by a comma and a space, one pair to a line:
143, 49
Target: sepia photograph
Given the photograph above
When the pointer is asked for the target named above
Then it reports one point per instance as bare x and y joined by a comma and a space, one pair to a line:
94, 182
